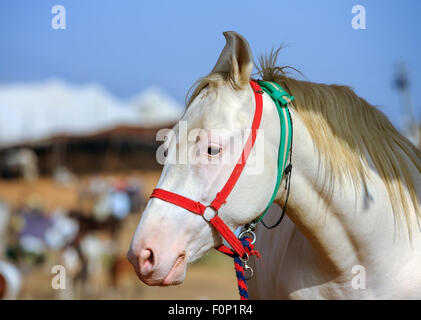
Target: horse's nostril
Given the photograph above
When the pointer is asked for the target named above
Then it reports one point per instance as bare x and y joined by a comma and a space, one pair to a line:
182, 256
146, 261
151, 257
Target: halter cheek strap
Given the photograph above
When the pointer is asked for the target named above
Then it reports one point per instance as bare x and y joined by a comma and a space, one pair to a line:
281, 99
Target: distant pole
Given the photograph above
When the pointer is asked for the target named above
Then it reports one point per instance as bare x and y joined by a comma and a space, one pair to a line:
409, 123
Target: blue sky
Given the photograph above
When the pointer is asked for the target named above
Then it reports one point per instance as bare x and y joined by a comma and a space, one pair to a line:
129, 45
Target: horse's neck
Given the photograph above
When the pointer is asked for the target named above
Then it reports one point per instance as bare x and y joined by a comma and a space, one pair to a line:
351, 229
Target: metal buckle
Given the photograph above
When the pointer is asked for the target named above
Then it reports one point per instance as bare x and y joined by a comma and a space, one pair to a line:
250, 269
249, 229
250, 232
214, 214
244, 260
246, 267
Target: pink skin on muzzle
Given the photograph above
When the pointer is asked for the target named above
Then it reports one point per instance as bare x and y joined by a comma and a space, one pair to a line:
155, 269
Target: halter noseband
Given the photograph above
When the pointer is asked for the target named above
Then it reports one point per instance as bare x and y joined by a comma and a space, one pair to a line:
242, 248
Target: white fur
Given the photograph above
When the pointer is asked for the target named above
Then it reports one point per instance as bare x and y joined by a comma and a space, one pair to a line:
312, 254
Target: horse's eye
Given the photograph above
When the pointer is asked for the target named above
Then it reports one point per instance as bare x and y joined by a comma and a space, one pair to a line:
212, 151
165, 153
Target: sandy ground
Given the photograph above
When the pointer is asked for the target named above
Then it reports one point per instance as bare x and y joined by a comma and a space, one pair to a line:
212, 277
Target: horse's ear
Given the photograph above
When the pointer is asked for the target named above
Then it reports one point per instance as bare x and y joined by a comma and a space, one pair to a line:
236, 59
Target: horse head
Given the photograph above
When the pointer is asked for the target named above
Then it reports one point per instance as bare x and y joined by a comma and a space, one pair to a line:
201, 154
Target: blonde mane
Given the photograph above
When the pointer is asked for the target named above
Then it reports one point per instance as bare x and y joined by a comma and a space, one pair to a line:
345, 129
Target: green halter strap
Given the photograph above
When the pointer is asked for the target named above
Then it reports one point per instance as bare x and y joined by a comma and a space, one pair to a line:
281, 99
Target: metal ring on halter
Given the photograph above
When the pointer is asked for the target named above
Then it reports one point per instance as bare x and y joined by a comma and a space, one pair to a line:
244, 260
248, 268
215, 214
248, 231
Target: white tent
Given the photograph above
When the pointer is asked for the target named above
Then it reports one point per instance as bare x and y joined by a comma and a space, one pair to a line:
34, 112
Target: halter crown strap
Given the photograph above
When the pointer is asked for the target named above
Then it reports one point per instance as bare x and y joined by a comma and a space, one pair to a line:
281, 99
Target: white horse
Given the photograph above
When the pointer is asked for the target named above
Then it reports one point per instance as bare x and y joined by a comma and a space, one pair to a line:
352, 229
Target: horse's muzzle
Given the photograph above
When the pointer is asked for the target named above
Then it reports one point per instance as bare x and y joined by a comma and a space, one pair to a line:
157, 270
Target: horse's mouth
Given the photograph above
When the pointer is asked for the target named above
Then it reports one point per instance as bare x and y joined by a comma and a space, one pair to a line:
175, 275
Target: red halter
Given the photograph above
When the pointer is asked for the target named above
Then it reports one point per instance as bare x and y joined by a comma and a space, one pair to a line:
199, 208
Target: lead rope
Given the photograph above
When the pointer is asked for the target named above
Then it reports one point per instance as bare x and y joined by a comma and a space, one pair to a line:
241, 266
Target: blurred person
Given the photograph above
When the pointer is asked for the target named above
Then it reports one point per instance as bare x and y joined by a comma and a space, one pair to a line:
96, 250
71, 260
32, 236
120, 203
63, 175
62, 231
135, 192
102, 209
